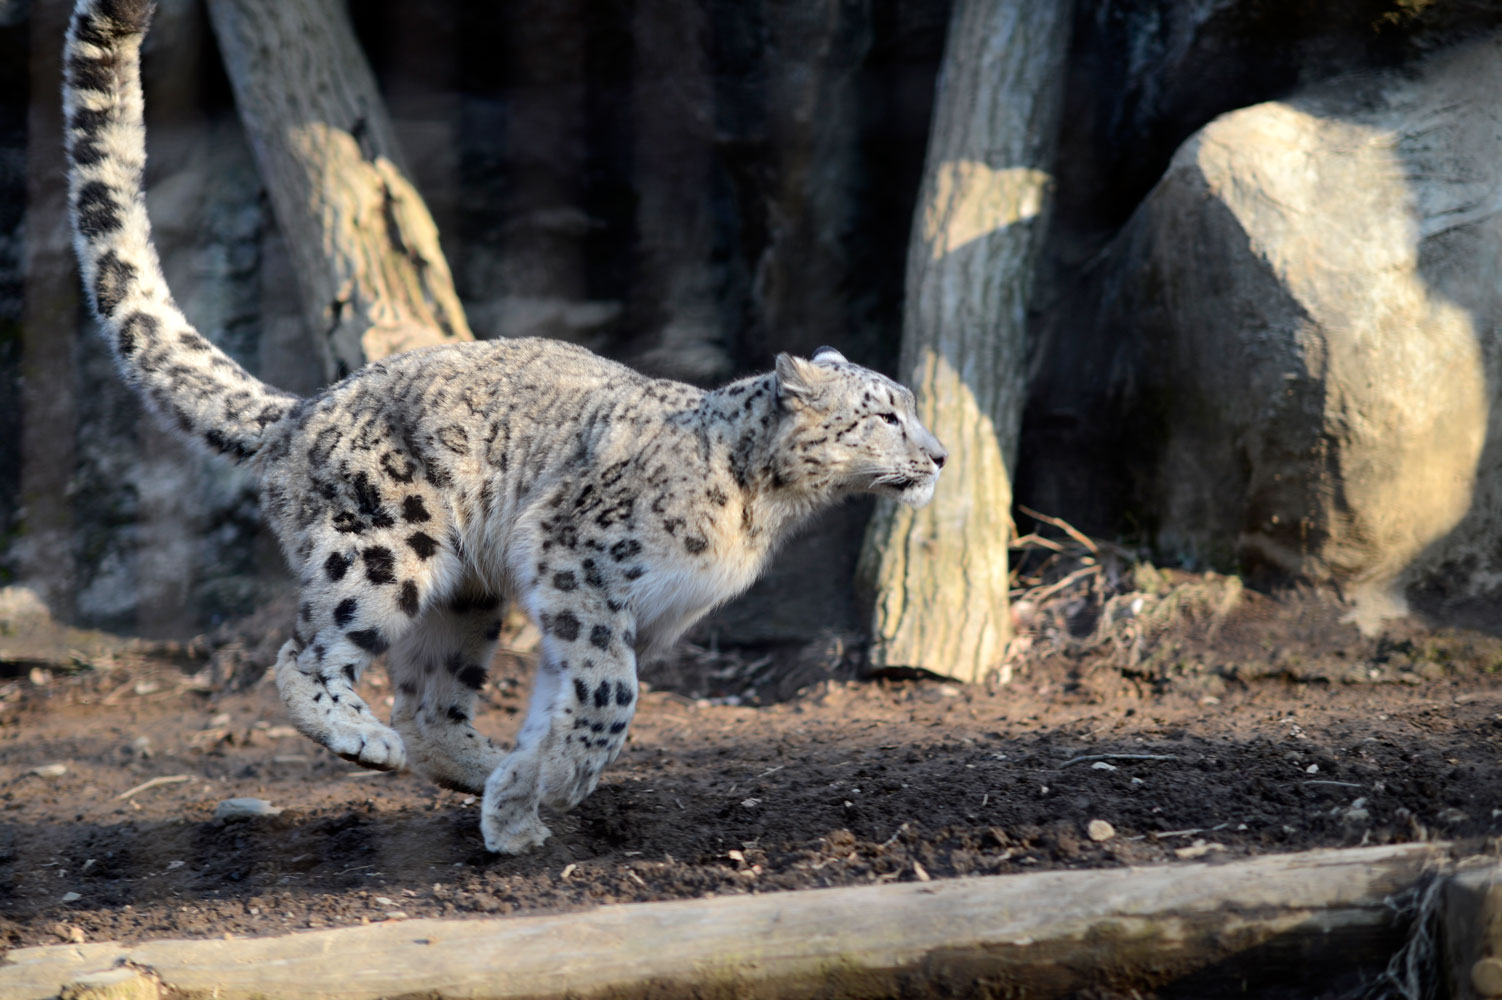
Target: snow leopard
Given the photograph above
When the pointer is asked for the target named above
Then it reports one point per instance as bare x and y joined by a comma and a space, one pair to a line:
418, 496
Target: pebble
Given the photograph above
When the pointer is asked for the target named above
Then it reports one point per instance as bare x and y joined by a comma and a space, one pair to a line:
69, 932
50, 770
1099, 830
1198, 849
1486, 977
234, 808
71, 897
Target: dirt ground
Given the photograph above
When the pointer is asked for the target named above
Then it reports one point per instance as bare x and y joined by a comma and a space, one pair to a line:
1238, 724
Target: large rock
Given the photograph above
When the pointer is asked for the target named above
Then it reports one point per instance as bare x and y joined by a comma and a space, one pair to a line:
1295, 338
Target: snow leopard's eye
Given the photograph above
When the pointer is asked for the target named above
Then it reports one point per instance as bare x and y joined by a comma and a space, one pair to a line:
890, 418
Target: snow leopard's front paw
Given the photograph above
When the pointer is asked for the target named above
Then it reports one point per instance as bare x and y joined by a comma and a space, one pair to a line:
517, 833
569, 775
368, 744
329, 712
508, 815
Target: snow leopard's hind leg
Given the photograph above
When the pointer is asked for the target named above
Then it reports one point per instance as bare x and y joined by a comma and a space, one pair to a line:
360, 598
437, 669
582, 703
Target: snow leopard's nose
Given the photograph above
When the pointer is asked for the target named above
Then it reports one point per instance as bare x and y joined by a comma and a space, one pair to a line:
936, 451
930, 446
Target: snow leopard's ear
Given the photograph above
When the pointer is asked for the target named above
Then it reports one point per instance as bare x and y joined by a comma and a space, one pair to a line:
796, 377
827, 355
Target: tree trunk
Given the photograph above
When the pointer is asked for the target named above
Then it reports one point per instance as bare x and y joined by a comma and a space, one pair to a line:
939, 575
372, 276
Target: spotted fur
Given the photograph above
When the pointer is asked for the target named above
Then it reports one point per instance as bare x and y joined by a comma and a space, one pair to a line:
418, 495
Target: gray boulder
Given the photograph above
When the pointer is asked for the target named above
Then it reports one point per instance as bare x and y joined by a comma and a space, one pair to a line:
1294, 343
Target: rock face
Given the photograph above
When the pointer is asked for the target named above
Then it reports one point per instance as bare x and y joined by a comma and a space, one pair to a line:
1297, 336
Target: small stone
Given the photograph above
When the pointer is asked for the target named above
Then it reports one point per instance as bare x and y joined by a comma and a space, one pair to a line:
219, 721
50, 770
1198, 849
753, 803
1486, 977
385, 901
1099, 830
1101, 765
1312, 769
1453, 817
71, 897
236, 808
69, 932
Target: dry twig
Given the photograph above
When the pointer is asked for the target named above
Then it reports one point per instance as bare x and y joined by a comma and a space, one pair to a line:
1119, 756
166, 779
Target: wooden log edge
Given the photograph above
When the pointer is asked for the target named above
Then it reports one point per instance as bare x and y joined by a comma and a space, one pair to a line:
1046, 934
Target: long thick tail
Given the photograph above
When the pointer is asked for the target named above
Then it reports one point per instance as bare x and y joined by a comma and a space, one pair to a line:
192, 383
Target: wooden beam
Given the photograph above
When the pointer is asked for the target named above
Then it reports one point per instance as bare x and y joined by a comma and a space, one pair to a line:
1041, 935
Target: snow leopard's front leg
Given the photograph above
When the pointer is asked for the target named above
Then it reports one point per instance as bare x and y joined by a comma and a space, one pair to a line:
317, 685
582, 703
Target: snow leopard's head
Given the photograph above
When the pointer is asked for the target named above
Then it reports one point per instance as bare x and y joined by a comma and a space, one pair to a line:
855, 430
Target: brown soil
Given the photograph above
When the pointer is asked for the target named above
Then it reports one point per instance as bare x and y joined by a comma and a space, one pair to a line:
1239, 727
